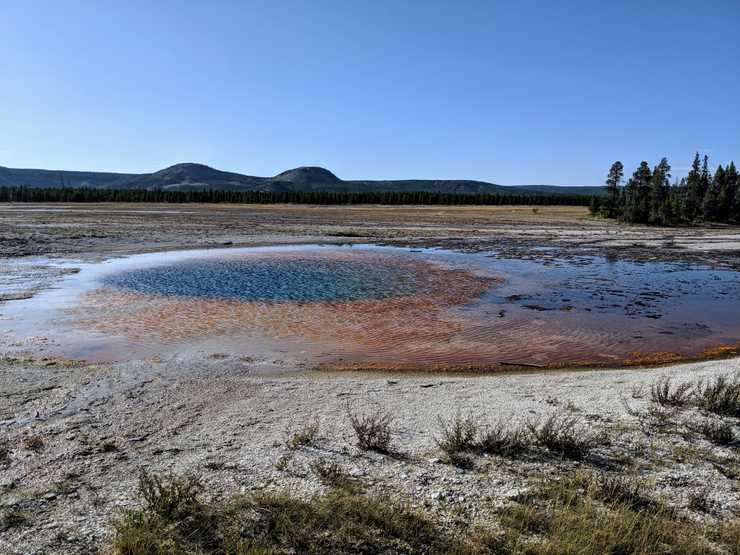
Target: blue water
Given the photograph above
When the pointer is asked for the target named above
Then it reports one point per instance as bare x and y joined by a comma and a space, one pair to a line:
636, 289
270, 279
423, 306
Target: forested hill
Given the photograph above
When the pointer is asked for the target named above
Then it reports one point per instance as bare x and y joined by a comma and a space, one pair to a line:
198, 177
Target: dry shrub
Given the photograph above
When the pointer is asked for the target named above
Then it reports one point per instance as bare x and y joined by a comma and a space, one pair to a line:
372, 429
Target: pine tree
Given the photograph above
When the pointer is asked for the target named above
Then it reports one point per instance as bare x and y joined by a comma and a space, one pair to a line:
660, 210
735, 212
728, 192
693, 196
711, 206
637, 195
611, 206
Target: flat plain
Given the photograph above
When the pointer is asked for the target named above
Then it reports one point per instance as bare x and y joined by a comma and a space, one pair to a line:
76, 435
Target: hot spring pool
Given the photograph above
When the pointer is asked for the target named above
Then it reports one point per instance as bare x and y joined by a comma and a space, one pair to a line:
367, 306
273, 278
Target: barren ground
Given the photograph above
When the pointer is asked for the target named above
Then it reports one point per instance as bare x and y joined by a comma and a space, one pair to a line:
74, 436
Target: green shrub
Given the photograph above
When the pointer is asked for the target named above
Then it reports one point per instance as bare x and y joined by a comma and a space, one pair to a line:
171, 520
663, 393
720, 396
458, 435
721, 433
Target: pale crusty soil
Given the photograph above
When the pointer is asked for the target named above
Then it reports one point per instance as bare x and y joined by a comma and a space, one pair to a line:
73, 436
114, 229
99, 426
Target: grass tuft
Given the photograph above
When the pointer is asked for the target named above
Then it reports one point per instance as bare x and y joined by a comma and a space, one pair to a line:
373, 430
333, 475
305, 436
498, 440
458, 435
623, 490
565, 435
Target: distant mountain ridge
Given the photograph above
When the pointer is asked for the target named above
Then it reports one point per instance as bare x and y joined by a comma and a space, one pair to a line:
190, 177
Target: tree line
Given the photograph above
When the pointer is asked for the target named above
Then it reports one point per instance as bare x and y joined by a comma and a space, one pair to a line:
648, 197
83, 194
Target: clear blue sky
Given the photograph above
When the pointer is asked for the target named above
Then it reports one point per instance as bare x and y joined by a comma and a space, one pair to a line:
512, 92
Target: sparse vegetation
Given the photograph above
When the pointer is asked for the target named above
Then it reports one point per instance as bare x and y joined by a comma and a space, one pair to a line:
574, 515
498, 440
655, 418
332, 474
638, 391
720, 396
721, 433
306, 435
579, 513
610, 488
4, 452
458, 435
665, 394
699, 501
173, 520
565, 435
372, 429
559, 433
12, 519
462, 437
108, 446
34, 443
284, 461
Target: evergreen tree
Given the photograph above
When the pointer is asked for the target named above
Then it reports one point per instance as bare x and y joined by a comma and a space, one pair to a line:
735, 212
637, 195
705, 180
611, 207
728, 192
693, 195
711, 206
660, 209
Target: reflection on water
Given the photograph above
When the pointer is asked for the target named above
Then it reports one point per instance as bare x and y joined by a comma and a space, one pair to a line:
376, 306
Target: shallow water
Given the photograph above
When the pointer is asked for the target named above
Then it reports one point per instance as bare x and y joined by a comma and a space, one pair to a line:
379, 306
